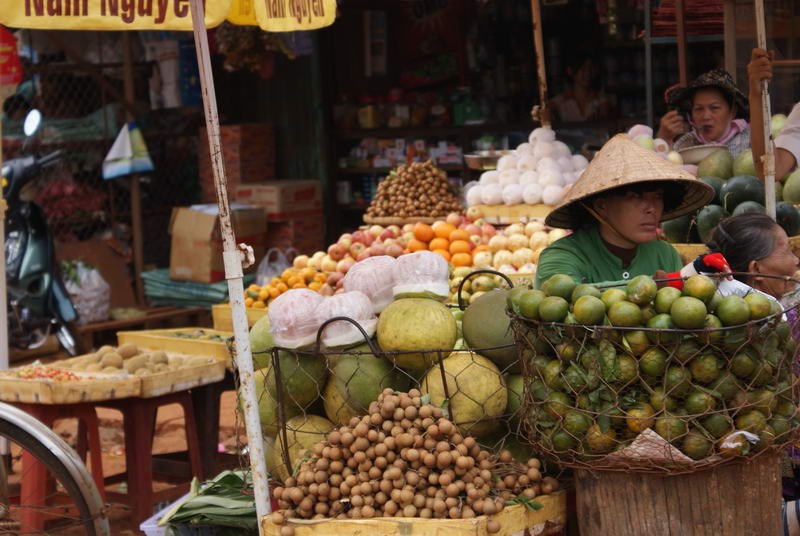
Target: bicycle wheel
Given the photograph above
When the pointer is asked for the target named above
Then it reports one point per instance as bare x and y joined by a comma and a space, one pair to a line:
68, 503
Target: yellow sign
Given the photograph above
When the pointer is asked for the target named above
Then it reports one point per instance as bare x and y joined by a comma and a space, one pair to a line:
108, 14
293, 15
242, 13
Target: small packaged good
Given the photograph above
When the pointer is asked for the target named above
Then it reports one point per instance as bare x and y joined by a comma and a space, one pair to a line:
374, 277
423, 274
294, 318
343, 334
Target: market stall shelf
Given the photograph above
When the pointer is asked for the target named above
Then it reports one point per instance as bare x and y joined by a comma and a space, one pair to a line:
374, 220
550, 519
91, 389
182, 379
188, 341
223, 321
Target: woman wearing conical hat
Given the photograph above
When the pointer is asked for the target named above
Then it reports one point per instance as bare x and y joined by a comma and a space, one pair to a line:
615, 210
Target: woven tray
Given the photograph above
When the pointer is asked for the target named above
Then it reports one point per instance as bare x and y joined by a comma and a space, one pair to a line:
400, 221
96, 389
161, 339
173, 381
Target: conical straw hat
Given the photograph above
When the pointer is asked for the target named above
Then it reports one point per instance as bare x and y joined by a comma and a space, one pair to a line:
622, 162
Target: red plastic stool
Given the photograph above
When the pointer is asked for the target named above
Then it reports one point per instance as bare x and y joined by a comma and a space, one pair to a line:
139, 416
35, 485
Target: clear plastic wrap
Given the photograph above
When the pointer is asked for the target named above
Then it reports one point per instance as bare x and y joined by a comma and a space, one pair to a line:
355, 305
423, 274
374, 277
294, 318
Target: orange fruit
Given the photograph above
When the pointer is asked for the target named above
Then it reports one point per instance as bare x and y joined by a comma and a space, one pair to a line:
282, 287
482, 247
275, 292
308, 273
264, 294
460, 246
461, 259
444, 229
300, 284
439, 243
287, 273
248, 302
259, 305
423, 232
315, 285
444, 253
293, 280
321, 277
275, 281
417, 245
254, 287
459, 234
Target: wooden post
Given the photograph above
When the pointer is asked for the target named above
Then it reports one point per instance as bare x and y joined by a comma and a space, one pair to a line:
743, 497
542, 114
680, 36
729, 14
136, 189
769, 151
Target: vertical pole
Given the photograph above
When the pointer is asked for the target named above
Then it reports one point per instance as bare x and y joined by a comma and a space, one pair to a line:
648, 60
233, 271
680, 35
5, 92
769, 150
538, 43
136, 190
729, 25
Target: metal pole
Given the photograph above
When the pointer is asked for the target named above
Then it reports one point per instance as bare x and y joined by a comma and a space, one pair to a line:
769, 151
233, 271
542, 111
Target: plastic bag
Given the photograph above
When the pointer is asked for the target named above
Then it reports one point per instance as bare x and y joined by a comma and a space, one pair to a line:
374, 277
423, 274
87, 289
354, 305
294, 317
273, 264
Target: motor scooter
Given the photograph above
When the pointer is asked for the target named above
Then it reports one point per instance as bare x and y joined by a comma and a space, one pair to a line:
38, 303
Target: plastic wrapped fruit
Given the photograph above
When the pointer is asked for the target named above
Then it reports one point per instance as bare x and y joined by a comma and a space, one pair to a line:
342, 334
295, 317
374, 276
423, 274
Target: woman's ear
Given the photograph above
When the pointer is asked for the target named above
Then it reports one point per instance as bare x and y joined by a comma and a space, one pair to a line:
753, 268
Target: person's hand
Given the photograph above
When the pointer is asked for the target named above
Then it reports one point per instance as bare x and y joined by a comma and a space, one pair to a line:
671, 126
708, 263
759, 68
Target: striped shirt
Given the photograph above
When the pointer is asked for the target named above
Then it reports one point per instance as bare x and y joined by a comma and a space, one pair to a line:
736, 145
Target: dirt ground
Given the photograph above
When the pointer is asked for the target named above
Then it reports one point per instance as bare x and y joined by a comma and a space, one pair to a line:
169, 437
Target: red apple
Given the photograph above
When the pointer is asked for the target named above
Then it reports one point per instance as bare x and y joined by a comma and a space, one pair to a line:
326, 290
406, 238
376, 250
346, 240
334, 278
394, 250
454, 218
340, 284
475, 240
473, 229
327, 264
363, 255
376, 230
395, 229
408, 227
369, 238
344, 265
387, 234
358, 236
480, 221
336, 252
357, 249
463, 225
488, 230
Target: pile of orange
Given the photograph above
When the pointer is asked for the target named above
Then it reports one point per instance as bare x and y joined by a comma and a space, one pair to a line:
258, 297
447, 240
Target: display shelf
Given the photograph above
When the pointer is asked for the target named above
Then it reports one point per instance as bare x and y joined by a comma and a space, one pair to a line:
369, 170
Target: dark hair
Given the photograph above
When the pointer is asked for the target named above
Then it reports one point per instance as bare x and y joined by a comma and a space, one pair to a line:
742, 239
725, 95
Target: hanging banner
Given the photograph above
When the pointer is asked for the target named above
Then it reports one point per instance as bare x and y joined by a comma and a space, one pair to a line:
242, 13
10, 66
108, 14
294, 15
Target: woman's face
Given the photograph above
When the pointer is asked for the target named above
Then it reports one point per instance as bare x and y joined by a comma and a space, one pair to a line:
711, 113
634, 215
781, 262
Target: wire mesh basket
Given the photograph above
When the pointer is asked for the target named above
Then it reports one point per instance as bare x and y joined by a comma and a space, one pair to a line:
638, 393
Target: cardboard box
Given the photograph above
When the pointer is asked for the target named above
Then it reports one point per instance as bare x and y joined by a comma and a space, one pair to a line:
249, 154
284, 199
196, 251
305, 234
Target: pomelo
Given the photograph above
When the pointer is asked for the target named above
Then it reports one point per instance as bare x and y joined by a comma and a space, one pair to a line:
411, 325
478, 394
302, 433
743, 163
717, 164
486, 325
791, 187
268, 406
303, 377
260, 342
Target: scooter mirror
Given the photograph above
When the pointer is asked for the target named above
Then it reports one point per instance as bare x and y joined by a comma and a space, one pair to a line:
32, 122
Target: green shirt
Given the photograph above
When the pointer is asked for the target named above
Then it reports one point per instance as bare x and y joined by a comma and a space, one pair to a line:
584, 256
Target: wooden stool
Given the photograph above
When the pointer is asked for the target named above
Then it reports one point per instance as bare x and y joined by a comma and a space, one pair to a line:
139, 416
36, 485
207, 402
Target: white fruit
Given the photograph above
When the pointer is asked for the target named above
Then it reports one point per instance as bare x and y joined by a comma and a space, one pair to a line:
474, 195
492, 194
506, 269
548, 177
538, 239
526, 162
532, 193
512, 194
509, 176
543, 149
482, 259
517, 241
514, 228
645, 141
524, 148
552, 194
542, 134
569, 178
565, 163
507, 161
639, 130
547, 163
660, 146
579, 162
555, 234
501, 257
533, 226
675, 158
522, 256
498, 243
561, 149
490, 177
529, 177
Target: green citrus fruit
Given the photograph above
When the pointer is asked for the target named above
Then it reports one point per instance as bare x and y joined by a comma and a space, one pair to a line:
699, 403
661, 322
751, 421
641, 418
766, 438
664, 299
576, 423
566, 351
760, 306
562, 441
661, 402
762, 374
712, 333
743, 364
560, 285
529, 302
589, 311
781, 426
670, 428
696, 446
538, 390
783, 331
585, 290
557, 404
677, 381
714, 303
600, 441
637, 341
552, 375
641, 289
726, 385
688, 349
764, 400
733, 310
705, 368
625, 313
717, 425
701, 287
628, 369
653, 362
513, 299
785, 408
553, 309
612, 296
688, 312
